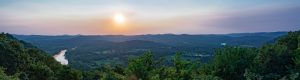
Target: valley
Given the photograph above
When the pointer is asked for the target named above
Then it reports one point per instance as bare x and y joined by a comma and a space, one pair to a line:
91, 51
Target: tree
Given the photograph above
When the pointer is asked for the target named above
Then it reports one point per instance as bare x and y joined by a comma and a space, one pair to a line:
142, 66
182, 69
3, 76
68, 73
39, 72
230, 63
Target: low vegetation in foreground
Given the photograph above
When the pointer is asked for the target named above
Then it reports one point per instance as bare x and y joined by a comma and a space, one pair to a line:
278, 61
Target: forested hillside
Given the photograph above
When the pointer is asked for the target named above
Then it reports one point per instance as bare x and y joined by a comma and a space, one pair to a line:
91, 51
20, 60
278, 61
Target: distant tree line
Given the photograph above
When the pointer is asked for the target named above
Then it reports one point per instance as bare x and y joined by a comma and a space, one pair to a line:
278, 61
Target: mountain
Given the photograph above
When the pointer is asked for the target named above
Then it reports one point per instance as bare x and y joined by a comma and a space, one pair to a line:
90, 51
276, 61
27, 62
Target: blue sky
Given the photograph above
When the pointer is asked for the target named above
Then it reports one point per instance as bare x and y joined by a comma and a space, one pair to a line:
95, 17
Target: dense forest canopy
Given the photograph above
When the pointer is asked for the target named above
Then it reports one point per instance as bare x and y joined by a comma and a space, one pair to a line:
88, 52
281, 60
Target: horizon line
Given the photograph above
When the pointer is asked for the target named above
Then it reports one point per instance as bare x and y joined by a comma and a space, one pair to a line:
143, 34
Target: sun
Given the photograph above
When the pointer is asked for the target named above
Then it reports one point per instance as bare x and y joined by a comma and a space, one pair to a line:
119, 18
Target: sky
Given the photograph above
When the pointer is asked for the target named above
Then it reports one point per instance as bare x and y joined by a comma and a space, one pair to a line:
98, 17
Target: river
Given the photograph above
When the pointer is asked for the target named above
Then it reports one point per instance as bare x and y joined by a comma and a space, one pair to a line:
60, 57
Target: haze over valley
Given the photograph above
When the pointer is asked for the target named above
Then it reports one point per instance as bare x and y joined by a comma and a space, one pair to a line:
89, 52
149, 40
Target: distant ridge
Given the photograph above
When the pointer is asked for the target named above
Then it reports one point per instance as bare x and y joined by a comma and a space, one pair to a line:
118, 48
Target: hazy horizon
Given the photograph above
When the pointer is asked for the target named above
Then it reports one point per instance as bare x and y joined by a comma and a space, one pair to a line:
130, 17
143, 34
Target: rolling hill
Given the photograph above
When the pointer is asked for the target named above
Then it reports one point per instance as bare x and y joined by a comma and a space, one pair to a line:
89, 51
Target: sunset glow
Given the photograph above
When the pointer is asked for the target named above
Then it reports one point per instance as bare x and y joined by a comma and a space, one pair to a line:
130, 17
119, 18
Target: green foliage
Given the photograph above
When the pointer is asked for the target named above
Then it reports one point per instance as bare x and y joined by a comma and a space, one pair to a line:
18, 57
274, 61
3, 76
39, 72
270, 62
142, 66
68, 73
252, 76
90, 52
290, 40
279, 61
230, 63
181, 70
207, 77
147, 68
